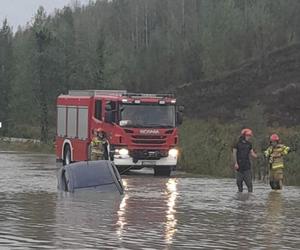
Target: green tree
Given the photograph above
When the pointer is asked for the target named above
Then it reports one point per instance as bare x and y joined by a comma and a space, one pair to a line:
99, 74
6, 74
42, 38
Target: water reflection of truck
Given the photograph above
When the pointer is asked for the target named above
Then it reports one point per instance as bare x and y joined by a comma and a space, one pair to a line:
148, 213
141, 129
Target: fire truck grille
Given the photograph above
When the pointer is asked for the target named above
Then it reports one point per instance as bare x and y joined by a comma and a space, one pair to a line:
139, 154
143, 139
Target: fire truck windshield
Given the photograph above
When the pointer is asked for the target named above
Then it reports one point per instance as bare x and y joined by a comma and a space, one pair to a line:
146, 115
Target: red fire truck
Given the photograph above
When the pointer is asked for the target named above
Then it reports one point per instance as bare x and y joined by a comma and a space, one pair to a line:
141, 129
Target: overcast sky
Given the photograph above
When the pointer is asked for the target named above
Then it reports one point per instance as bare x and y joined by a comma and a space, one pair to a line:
19, 12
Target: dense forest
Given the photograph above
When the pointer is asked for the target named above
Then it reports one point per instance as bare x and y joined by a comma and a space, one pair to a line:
149, 46
140, 45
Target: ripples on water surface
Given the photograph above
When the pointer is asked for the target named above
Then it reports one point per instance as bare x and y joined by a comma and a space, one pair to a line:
155, 213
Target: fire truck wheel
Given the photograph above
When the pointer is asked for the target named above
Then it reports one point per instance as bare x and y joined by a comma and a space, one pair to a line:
162, 171
67, 155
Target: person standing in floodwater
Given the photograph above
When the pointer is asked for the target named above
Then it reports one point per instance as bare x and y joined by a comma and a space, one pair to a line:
275, 153
242, 164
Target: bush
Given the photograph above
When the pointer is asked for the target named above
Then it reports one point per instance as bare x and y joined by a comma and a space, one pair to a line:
24, 131
207, 149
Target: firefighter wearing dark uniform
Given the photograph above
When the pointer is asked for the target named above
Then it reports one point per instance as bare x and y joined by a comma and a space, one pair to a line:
97, 145
241, 154
275, 153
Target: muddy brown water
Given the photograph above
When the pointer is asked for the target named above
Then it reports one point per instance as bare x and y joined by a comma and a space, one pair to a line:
154, 213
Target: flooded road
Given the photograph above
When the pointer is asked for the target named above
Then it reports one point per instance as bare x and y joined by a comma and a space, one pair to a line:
155, 213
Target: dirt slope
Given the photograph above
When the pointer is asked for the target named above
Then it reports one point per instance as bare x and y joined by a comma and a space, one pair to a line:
275, 83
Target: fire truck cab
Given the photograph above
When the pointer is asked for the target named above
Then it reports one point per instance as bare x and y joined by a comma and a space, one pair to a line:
140, 129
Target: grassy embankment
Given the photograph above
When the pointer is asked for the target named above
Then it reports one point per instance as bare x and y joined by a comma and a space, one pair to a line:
28, 144
206, 149
27, 147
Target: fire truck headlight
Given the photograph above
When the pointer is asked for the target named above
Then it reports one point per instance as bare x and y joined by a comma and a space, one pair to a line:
173, 152
123, 152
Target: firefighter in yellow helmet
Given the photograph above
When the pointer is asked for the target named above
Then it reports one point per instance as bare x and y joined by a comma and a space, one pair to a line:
275, 153
97, 145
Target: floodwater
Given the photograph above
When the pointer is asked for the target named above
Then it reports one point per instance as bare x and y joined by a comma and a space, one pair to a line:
154, 213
